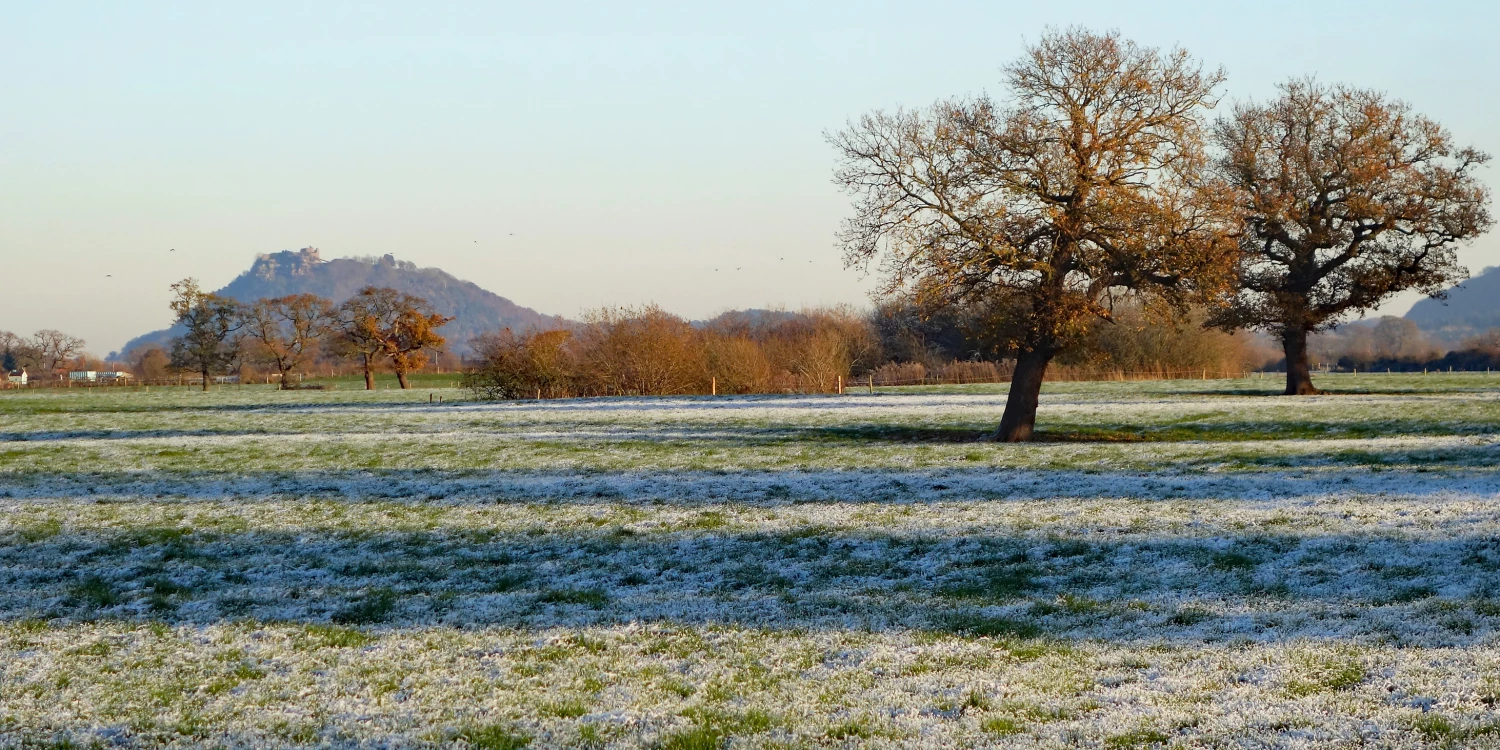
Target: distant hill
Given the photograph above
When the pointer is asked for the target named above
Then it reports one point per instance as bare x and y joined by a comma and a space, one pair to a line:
475, 310
1472, 307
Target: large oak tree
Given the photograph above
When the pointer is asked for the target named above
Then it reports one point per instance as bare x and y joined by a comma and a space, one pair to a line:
208, 343
286, 332
1087, 182
1348, 198
382, 323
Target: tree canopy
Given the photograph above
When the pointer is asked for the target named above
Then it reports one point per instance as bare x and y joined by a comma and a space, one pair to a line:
1347, 198
1087, 182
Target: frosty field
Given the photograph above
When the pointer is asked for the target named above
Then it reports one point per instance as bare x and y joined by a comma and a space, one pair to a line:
1175, 564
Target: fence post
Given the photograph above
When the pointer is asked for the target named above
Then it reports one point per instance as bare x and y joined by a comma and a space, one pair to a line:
713, 386
841, 385
872, 384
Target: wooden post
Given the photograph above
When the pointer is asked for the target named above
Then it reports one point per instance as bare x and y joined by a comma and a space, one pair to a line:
841, 385
713, 386
872, 384
539, 394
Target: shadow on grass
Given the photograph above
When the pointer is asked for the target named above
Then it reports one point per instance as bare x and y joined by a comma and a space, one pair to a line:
1265, 587
1379, 474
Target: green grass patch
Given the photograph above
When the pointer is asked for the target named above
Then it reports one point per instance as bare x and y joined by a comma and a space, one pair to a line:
372, 607
978, 625
588, 597
492, 737
95, 591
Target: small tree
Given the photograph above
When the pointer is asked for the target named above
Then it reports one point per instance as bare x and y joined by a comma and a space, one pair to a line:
208, 343
381, 323
1089, 182
285, 332
150, 362
1394, 338
1348, 199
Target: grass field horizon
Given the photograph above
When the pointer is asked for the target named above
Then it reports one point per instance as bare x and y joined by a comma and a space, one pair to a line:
1196, 563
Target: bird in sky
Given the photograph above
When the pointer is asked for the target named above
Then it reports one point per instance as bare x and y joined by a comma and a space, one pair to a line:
173, 250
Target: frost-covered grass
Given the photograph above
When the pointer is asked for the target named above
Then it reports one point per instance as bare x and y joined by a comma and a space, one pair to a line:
1180, 564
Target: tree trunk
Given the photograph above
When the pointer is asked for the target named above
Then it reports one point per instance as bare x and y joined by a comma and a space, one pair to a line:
1025, 392
369, 374
401, 378
205, 380
285, 386
1298, 374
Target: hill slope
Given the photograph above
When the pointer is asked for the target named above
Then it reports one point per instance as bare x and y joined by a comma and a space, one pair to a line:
1472, 307
474, 309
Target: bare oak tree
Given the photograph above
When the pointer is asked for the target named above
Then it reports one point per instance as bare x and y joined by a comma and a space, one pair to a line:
1088, 182
208, 343
53, 349
1348, 198
286, 332
381, 323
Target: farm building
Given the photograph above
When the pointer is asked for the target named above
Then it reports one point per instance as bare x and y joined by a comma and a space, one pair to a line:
94, 376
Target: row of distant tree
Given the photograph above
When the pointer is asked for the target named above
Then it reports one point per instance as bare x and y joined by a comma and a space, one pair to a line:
1100, 178
644, 351
41, 353
1399, 345
378, 325
648, 351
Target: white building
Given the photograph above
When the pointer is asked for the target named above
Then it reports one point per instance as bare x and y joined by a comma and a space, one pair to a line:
83, 375
17, 378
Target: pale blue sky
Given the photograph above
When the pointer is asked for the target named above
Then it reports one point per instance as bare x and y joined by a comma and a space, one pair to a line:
565, 155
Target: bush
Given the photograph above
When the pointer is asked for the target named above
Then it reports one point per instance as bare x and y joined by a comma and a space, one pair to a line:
523, 366
649, 352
